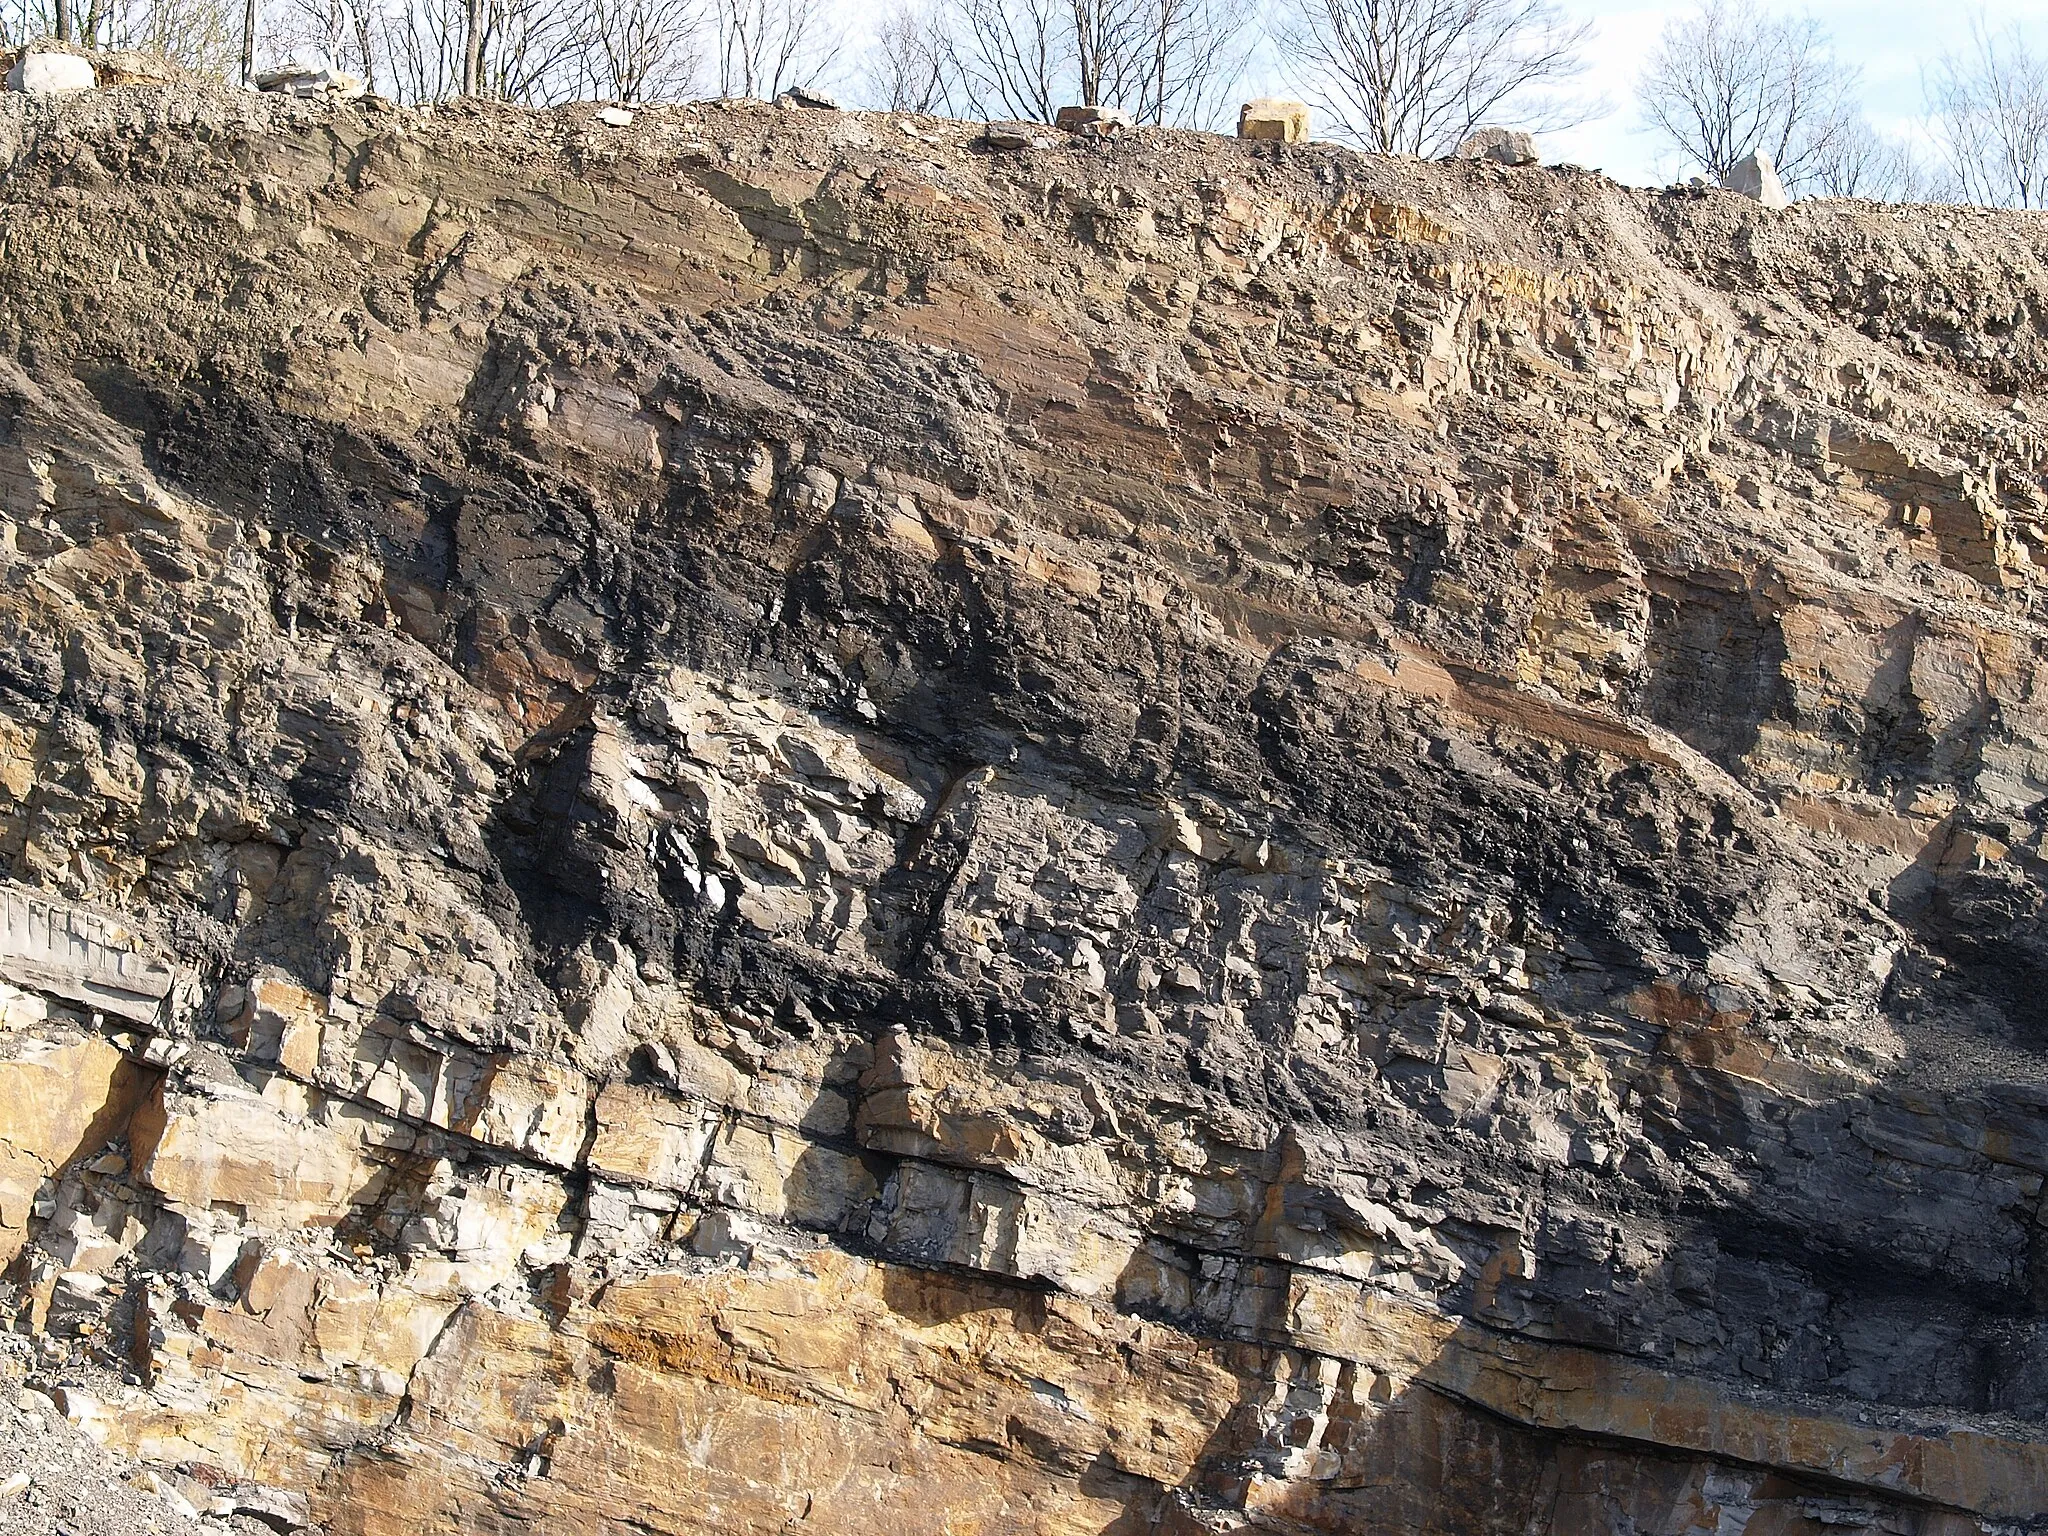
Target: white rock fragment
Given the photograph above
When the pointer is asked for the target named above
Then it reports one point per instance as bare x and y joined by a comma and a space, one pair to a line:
85, 1413
48, 74
615, 117
1755, 177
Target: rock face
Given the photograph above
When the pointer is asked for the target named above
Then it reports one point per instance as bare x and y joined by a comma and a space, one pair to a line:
761, 822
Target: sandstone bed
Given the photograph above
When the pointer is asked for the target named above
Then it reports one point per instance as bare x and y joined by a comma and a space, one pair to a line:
766, 823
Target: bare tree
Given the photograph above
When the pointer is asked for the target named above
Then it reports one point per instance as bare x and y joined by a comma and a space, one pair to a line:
641, 50
1162, 61
1990, 110
766, 47
538, 52
204, 36
70, 22
1728, 81
201, 35
910, 66
532, 51
1196, 52
1416, 76
1015, 58
346, 31
1861, 162
424, 44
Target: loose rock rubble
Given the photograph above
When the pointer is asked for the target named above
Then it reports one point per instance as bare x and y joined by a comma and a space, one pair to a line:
55, 1476
761, 821
312, 78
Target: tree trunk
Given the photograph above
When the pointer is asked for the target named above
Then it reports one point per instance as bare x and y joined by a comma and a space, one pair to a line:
472, 45
63, 21
248, 42
365, 43
1087, 65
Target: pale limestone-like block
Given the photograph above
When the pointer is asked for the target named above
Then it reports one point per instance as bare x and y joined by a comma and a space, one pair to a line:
649, 1137
239, 1150
49, 74
787, 1177
1273, 120
1092, 122
1756, 178
284, 1026
535, 1107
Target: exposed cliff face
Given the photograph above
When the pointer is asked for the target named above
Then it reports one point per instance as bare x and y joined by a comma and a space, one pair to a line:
762, 823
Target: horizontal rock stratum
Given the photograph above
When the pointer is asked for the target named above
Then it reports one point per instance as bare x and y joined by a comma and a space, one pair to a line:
769, 822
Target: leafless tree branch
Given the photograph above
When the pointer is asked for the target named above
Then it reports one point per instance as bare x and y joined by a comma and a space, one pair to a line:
1728, 81
909, 65
1861, 162
766, 47
1990, 110
1416, 76
1162, 61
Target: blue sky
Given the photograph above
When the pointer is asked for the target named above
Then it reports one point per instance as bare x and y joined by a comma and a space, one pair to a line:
1892, 40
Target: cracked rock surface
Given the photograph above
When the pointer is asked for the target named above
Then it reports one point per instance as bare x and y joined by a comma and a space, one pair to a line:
768, 821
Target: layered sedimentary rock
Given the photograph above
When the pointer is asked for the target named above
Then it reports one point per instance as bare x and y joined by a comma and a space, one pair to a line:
771, 821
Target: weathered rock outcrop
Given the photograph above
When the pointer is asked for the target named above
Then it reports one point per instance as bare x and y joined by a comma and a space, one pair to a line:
773, 821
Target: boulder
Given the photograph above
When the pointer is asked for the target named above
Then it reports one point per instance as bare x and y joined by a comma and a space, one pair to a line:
314, 77
48, 74
797, 97
1092, 122
1269, 118
76, 1301
1755, 177
1503, 146
615, 117
1009, 134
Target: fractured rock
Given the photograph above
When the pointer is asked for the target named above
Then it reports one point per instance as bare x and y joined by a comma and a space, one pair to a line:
1009, 134
312, 78
1756, 178
49, 74
784, 835
1092, 122
1503, 146
81, 956
1269, 118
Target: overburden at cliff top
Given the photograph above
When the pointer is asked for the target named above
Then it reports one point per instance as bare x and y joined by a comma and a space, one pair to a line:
766, 821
